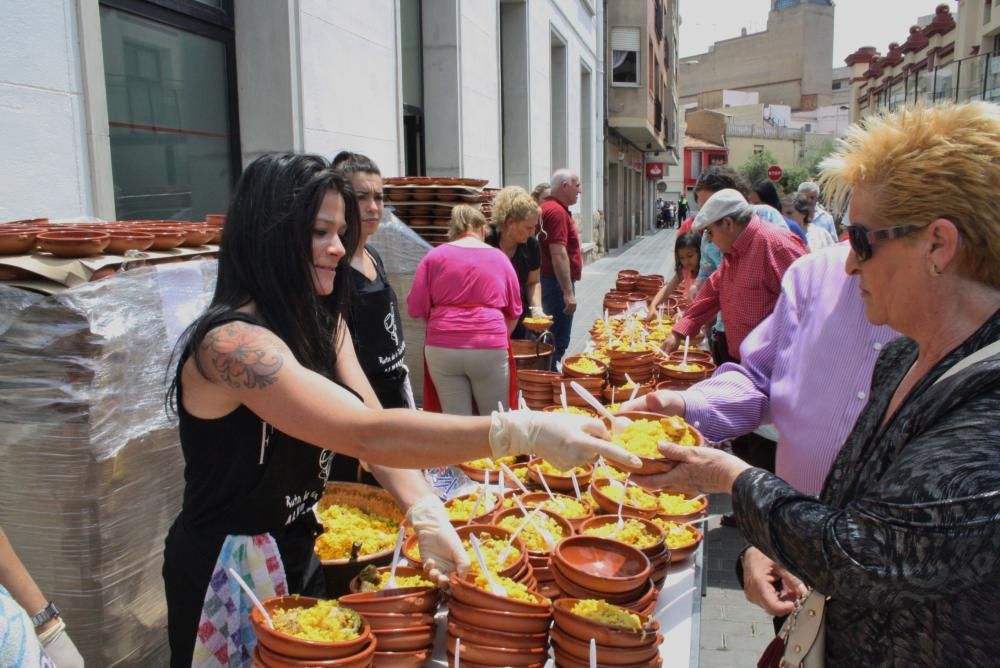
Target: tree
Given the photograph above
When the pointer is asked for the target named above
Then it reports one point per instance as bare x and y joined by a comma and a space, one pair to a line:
755, 167
792, 177
817, 153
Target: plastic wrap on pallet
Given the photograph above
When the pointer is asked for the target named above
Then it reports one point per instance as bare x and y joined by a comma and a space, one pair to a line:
401, 250
91, 472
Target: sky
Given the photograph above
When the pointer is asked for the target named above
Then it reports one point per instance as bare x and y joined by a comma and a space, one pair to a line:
857, 23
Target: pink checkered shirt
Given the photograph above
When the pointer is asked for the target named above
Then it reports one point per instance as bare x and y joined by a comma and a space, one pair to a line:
746, 285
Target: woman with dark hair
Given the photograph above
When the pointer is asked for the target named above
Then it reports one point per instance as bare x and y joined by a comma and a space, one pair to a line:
765, 192
373, 316
267, 392
799, 208
687, 259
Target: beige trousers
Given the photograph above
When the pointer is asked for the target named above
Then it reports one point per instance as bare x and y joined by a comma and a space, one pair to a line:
463, 374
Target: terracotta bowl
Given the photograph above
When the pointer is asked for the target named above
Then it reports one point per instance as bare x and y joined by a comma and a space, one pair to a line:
265, 657
538, 497
558, 483
466, 592
17, 241
72, 243
405, 639
410, 600
699, 356
685, 517
463, 533
635, 599
651, 528
625, 285
536, 376
164, 238
698, 370
297, 648
128, 240
606, 656
567, 528
500, 656
674, 385
479, 475
612, 394
198, 236
678, 554
570, 372
381, 621
494, 638
565, 660
601, 564
582, 628
610, 506
592, 386
629, 274
653, 465
401, 571
215, 218
414, 659
482, 514
501, 620
538, 327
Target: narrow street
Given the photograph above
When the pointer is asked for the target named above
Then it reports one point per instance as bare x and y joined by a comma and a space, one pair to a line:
733, 631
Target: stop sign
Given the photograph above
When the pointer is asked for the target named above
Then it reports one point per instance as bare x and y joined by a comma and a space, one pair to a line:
774, 173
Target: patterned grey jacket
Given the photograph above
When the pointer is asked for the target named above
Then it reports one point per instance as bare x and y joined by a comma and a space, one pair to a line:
905, 536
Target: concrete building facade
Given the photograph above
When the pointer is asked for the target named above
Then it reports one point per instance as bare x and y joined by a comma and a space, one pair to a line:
150, 108
788, 63
642, 117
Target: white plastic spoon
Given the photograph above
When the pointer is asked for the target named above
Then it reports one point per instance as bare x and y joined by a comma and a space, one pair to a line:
475, 509
458, 651
546, 536
635, 387
691, 523
618, 423
253, 597
684, 359
510, 474
621, 522
576, 485
494, 586
541, 478
593, 653
391, 584
486, 491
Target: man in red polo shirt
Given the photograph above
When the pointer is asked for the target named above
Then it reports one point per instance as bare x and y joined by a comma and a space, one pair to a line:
747, 284
562, 262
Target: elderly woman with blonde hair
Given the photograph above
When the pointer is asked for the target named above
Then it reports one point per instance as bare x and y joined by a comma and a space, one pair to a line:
515, 216
902, 547
468, 293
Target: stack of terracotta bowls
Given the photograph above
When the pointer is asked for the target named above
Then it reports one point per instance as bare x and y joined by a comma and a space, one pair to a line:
517, 565
537, 551
401, 620
602, 568
561, 387
573, 367
626, 280
615, 645
488, 629
276, 649
674, 369
478, 472
536, 386
649, 285
681, 549
616, 301
640, 533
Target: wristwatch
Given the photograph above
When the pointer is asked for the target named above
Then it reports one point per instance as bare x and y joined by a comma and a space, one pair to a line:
49, 612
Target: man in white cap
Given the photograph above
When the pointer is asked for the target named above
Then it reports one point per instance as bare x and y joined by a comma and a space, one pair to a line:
820, 216
748, 282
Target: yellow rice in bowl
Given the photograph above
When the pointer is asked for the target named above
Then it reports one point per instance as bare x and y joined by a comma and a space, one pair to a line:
635, 496
605, 613
550, 470
491, 548
677, 504
574, 410
326, 621
610, 472
677, 536
344, 526
530, 535
515, 590
643, 437
632, 532
461, 509
569, 508
484, 463
585, 365
401, 582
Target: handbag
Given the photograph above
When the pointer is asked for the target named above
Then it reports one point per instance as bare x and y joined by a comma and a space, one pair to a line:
801, 642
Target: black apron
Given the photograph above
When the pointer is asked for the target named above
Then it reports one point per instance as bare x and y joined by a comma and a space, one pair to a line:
377, 330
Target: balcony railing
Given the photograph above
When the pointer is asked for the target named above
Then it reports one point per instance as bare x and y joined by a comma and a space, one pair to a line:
658, 115
963, 80
734, 129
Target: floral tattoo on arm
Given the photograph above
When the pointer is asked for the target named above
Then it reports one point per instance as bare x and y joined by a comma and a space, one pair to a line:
242, 357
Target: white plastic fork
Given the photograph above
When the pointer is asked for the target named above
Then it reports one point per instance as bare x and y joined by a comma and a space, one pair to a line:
475, 509
541, 478
510, 543
635, 388
495, 587
576, 485
621, 522
510, 474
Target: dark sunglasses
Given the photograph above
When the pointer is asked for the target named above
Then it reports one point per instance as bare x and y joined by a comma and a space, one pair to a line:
862, 239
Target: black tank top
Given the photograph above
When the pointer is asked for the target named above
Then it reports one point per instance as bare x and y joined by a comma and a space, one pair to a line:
243, 476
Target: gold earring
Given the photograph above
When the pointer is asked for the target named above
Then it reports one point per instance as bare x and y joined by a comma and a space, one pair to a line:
934, 271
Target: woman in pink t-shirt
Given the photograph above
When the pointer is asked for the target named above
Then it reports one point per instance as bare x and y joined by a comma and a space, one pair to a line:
468, 293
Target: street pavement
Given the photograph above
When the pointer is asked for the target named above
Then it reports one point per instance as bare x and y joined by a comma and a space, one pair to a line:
733, 632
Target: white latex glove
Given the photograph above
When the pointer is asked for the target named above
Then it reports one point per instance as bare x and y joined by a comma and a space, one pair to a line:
536, 311
60, 647
441, 549
562, 439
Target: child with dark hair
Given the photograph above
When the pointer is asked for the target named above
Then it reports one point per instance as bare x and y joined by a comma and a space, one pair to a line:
687, 259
